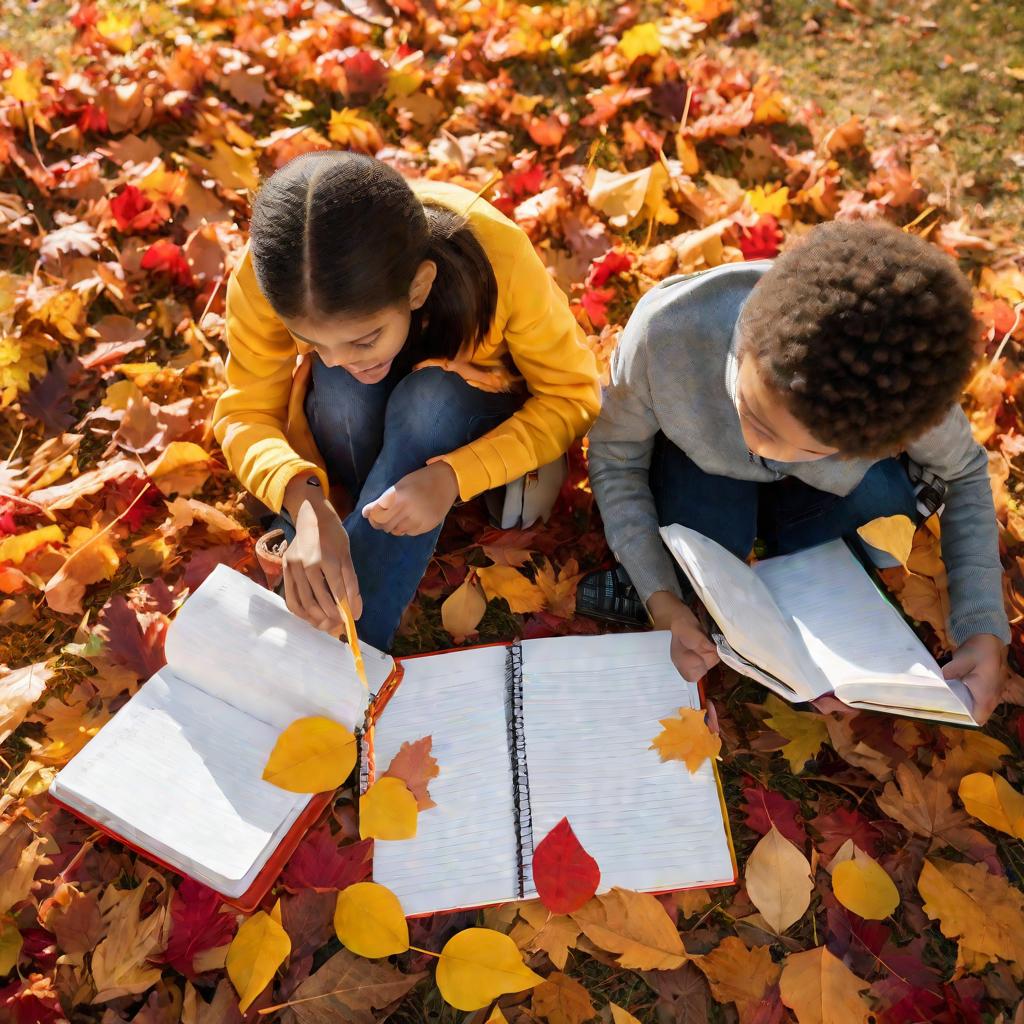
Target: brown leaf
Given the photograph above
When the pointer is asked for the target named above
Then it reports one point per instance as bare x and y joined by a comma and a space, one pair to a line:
778, 880
19, 690
74, 917
737, 974
539, 929
635, 927
562, 1000
821, 989
463, 609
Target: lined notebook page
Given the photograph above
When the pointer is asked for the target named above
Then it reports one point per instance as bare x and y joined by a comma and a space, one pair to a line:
591, 709
464, 852
237, 641
178, 772
744, 609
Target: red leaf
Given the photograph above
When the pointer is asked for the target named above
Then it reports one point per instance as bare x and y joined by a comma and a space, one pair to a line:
840, 825
365, 75
197, 924
167, 258
133, 639
415, 766
762, 240
764, 808
321, 864
31, 1002
611, 263
566, 875
595, 302
127, 205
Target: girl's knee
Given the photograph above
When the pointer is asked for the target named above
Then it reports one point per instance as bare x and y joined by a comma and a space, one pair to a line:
424, 401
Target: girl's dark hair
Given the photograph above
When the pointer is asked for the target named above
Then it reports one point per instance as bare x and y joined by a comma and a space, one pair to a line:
337, 232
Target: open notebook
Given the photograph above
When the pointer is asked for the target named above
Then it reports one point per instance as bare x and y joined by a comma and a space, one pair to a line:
813, 623
532, 732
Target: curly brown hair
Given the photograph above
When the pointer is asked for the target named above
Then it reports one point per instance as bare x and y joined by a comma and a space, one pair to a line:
865, 331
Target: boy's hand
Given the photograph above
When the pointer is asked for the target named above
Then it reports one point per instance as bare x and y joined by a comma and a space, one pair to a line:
317, 563
980, 663
417, 503
692, 651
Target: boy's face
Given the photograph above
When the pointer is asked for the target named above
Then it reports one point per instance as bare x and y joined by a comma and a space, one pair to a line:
769, 428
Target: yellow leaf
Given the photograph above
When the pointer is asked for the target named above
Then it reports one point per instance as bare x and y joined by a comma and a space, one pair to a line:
708, 10
17, 548
686, 150
892, 534
536, 928
621, 1016
259, 947
737, 974
463, 609
368, 919
21, 85
774, 202
116, 27
93, 555
182, 468
984, 912
778, 879
350, 129
804, 730
625, 198
497, 1017
387, 810
820, 989
478, 965
560, 999
991, 799
312, 755
862, 885
634, 926
687, 738
230, 166
640, 41
10, 945
504, 581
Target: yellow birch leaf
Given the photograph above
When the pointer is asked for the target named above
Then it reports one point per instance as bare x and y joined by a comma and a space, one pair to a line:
259, 947
640, 41
621, 1016
182, 468
17, 548
387, 810
504, 581
820, 989
10, 945
463, 609
892, 534
778, 879
312, 755
770, 201
635, 927
804, 730
368, 919
478, 965
687, 738
862, 885
991, 799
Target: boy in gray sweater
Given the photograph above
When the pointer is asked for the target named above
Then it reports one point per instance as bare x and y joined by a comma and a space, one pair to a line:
796, 400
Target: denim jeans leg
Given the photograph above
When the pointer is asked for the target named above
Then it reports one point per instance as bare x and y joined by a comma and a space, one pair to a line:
806, 517
430, 412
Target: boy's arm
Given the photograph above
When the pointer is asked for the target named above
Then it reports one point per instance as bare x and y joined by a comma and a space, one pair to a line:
621, 443
970, 536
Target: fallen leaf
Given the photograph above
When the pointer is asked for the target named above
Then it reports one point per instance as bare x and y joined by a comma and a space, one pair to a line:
538, 929
198, 924
16, 549
820, 989
805, 731
182, 468
478, 965
687, 739
368, 919
991, 799
634, 927
19, 690
321, 864
505, 582
862, 885
463, 609
892, 534
778, 880
565, 875
415, 766
621, 1016
312, 755
11, 942
737, 974
387, 810
562, 1000
260, 946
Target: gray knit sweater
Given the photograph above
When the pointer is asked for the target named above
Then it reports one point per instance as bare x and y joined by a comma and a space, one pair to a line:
675, 370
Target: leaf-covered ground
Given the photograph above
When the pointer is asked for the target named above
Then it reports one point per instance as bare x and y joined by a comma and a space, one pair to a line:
631, 143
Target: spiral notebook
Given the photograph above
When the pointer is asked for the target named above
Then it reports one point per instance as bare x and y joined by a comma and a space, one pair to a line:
524, 735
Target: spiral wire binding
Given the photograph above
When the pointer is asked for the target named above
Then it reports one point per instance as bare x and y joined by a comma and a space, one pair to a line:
517, 760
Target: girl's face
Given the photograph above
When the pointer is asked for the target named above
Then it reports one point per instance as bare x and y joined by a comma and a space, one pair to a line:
366, 344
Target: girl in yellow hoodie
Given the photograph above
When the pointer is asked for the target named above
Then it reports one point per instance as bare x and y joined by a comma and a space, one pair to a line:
404, 341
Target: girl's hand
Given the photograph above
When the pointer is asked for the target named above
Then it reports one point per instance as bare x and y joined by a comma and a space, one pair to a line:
317, 564
417, 503
692, 651
980, 664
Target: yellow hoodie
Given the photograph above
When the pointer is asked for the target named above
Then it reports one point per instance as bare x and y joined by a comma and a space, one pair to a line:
260, 423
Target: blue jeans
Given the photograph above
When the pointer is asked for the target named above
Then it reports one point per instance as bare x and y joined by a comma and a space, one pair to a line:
370, 436
788, 515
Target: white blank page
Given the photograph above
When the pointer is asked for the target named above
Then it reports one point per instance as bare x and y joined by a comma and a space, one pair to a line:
464, 851
592, 707
178, 773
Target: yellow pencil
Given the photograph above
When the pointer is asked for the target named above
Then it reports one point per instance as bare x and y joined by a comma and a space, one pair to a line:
353, 639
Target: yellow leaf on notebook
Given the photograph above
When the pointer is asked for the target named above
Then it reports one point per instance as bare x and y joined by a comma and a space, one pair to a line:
621, 1016
805, 731
892, 534
259, 947
478, 965
368, 919
387, 810
778, 879
312, 755
862, 885
991, 799
687, 738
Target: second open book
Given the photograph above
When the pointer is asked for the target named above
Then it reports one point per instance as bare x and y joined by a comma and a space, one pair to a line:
813, 623
523, 735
